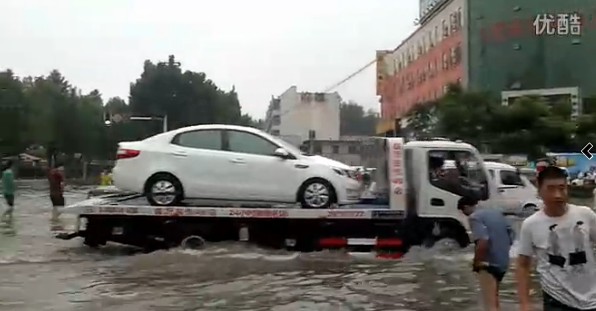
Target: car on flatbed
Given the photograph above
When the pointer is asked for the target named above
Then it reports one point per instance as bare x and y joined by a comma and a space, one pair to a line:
231, 163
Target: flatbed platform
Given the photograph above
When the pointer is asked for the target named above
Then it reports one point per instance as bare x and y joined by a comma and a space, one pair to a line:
127, 219
136, 205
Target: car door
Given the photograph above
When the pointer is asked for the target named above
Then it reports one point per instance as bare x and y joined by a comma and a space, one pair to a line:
200, 163
257, 173
512, 189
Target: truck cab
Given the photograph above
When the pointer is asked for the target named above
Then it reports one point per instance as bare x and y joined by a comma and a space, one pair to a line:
413, 176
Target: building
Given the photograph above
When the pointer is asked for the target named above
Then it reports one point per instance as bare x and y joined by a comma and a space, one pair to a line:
295, 115
505, 47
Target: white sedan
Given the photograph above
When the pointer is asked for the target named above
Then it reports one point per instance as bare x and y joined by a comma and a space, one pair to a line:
231, 163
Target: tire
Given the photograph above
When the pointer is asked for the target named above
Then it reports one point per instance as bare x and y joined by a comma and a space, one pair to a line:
169, 185
317, 194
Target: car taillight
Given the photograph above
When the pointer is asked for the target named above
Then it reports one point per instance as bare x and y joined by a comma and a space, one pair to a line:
127, 154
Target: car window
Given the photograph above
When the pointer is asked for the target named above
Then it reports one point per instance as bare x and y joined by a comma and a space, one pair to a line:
511, 178
204, 139
244, 142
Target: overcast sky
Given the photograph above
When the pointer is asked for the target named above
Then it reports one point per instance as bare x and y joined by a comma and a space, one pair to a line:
260, 46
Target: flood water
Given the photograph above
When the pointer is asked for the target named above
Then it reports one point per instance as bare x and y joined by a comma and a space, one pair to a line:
38, 272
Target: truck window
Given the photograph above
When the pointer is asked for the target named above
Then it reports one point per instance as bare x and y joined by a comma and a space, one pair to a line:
511, 178
459, 172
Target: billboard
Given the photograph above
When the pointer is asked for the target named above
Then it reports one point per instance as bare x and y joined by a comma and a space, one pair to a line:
574, 162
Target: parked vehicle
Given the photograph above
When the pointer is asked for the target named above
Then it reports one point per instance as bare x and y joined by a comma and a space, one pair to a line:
517, 194
232, 163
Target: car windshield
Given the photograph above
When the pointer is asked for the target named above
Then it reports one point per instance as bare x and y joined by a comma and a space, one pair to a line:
289, 147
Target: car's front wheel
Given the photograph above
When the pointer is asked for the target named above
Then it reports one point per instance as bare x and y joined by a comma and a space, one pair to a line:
316, 193
163, 190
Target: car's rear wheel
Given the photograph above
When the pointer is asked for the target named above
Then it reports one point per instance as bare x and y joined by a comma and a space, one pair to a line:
163, 190
316, 193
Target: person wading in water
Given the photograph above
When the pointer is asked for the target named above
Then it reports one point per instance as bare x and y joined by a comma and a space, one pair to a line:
56, 180
8, 188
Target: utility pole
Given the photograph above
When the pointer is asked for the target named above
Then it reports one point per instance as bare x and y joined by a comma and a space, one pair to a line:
311, 141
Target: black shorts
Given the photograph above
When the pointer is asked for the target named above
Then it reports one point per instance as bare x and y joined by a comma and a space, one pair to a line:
57, 199
9, 199
497, 273
551, 304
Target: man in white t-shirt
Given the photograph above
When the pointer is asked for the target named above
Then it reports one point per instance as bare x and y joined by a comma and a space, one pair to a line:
560, 236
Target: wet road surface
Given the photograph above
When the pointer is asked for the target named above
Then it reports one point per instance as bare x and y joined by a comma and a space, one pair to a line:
38, 272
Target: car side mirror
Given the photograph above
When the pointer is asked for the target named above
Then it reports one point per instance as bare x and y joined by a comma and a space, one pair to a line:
282, 153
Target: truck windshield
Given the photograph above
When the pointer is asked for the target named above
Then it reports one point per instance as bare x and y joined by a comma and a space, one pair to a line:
459, 172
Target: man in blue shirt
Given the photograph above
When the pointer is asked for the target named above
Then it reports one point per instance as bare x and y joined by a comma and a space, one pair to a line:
493, 237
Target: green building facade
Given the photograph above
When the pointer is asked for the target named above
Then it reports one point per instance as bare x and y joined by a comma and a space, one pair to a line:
505, 53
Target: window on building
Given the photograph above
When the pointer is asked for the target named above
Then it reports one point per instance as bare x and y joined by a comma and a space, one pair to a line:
335, 149
275, 132
445, 88
445, 29
453, 58
460, 18
453, 24
276, 104
243, 142
276, 120
353, 149
458, 53
445, 61
437, 38
204, 139
431, 41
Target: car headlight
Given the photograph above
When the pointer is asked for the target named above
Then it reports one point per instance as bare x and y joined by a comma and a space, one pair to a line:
339, 171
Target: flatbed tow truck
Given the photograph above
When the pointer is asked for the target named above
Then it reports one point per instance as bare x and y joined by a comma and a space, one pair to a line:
413, 207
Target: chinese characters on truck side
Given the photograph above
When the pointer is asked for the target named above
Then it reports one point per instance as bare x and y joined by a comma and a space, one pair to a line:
397, 180
562, 24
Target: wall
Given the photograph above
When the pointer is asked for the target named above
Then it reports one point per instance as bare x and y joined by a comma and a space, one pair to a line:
346, 152
425, 63
505, 52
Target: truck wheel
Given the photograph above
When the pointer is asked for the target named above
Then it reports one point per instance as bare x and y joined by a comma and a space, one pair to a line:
193, 242
163, 190
316, 193
91, 242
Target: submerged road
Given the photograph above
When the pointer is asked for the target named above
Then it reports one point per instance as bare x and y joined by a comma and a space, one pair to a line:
39, 272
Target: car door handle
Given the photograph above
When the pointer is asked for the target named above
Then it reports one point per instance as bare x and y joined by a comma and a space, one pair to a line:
437, 202
179, 154
237, 161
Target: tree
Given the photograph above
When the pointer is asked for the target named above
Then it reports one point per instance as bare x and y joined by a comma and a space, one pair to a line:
353, 120
529, 125
12, 114
187, 98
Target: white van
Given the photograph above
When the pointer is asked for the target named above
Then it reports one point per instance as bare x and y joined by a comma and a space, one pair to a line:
518, 195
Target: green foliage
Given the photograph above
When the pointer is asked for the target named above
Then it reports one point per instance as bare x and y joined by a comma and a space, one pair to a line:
529, 125
48, 113
355, 121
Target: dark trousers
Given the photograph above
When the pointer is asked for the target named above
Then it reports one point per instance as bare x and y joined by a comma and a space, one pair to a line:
551, 304
57, 199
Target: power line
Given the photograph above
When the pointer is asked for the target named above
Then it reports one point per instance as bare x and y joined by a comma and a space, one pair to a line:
357, 72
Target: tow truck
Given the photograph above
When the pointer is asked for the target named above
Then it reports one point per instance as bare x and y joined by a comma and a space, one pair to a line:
412, 205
